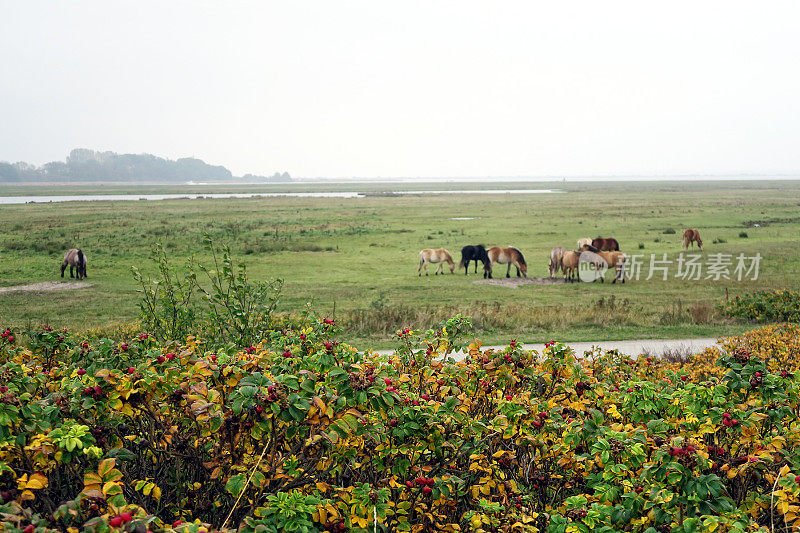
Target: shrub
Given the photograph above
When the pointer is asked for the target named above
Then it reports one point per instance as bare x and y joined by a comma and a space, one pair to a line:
765, 306
742, 234
641, 246
719, 240
669, 231
304, 433
232, 308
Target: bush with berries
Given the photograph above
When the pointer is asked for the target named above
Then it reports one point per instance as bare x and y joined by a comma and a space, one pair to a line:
303, 432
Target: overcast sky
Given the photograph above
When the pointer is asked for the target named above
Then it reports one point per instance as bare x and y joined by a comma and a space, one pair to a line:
380, 88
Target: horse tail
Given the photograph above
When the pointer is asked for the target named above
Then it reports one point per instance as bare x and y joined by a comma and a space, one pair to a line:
616, 244
81, 259
521, 257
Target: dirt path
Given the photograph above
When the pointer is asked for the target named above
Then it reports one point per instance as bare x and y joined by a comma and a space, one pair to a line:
47, 286
513, 283
656, 347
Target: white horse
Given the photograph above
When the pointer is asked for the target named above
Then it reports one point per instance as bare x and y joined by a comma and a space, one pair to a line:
439, 255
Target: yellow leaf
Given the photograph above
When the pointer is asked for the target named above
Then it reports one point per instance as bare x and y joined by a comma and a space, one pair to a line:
156, 493
106, 465
27, 495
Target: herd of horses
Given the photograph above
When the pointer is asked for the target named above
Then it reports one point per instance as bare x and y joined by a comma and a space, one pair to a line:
599, 254
504, 256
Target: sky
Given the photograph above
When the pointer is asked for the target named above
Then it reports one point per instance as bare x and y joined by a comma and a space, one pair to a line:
408, 88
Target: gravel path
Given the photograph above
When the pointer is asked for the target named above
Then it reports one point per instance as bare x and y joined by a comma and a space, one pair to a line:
630, 347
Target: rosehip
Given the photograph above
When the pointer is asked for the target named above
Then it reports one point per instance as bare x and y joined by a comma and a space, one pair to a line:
388, 381
427, 491
124, 347
509, 397
81, 371
409, 484
28, 529
161, 359
126, 517
797, 479
115, 522
131, 369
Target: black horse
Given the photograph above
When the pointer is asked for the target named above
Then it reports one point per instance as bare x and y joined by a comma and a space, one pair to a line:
474, 253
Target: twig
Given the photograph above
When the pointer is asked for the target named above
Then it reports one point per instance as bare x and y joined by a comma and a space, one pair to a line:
247, 484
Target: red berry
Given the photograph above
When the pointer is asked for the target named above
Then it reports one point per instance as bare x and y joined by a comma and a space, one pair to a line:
690, 448
126, 517
409, 484
161, 359
684, 377
420, 480
425, 397
28, 529
537, 423
115, 522
176, 523
81, 371
485, 360
542, 415
124, 347
388, 381
427, 491
509, 397
726, 415
11, 338
131, 369
213, 358
170, 356
797, 479
415, 402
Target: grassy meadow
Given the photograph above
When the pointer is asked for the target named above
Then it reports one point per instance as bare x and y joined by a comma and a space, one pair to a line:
357, 257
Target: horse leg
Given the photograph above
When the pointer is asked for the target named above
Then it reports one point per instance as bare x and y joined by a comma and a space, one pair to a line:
491, 266
516, 265
419, 270
63, 267
476, 266
71, 271
508, 271
438, 268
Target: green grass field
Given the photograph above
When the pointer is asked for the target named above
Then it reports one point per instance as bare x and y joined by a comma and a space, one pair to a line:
360, 254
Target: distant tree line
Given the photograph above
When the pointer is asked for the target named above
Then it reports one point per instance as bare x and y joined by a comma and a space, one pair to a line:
90, 165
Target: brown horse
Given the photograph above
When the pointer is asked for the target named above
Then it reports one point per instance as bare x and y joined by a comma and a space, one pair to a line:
508, 256
555, 260
75, 259
691, 236
569, 264
439, 255
606, 245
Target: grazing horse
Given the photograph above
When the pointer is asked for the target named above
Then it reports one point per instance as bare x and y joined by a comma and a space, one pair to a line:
473, 253
569, 264
606, 245
555, 259
615, 260
75, 259
439, 255
508, 256
581, 242
691, 236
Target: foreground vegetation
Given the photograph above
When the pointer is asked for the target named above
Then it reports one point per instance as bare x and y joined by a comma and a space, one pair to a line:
356, 258
301, 432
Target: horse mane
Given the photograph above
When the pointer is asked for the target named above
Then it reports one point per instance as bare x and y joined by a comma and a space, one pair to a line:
521, 257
